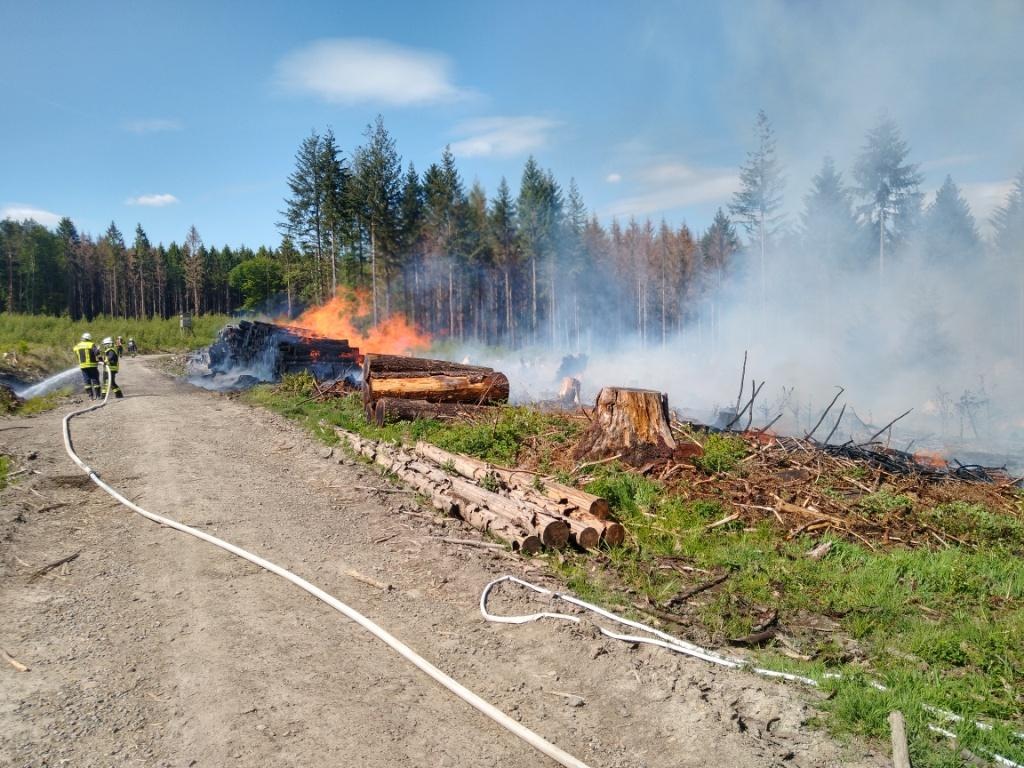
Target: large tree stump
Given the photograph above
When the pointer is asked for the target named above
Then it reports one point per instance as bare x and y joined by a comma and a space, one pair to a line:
630, 423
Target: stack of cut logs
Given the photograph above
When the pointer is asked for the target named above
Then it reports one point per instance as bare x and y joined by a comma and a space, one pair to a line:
282, 349
514, 505
397, 388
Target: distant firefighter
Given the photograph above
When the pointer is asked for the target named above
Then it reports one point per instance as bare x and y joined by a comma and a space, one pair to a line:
110, 358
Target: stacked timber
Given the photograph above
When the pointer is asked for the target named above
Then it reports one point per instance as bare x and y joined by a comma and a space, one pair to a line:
588, 516
528, 515
397, 388
277, 349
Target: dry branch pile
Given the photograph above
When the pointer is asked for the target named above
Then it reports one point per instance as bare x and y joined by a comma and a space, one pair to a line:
397, 388
866, 493
509, 504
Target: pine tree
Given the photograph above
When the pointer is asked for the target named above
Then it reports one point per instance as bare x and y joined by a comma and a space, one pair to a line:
950, 234
445, 209
718, 246
539, 210
304, 221
1008, 221
759, 199
112, 250
889, 187
70, 244
502, 230
142, 251
1008, 239
378, 173
411, 224
335, 179
829, 229
193, 257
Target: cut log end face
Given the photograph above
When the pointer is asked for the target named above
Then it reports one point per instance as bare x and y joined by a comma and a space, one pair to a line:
630, 423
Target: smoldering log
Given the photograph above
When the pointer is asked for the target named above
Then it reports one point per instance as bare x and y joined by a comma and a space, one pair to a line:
388, 410
282, 349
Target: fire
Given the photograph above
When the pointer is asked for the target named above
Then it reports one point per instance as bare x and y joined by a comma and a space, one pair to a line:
348, 317
931, 459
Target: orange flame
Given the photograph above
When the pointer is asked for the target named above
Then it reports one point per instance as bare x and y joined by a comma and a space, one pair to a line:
349, 317
931, 459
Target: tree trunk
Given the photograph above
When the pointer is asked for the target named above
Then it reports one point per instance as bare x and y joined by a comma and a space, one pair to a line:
630, 423
373, 268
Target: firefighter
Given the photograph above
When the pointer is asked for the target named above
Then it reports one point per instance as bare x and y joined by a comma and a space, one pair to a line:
132, 348
87, 355
120, 346
110, 358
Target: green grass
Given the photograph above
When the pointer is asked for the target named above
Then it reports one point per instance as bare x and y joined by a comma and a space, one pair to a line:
5, 468
941, 627
43, 403
496, 440
721, 453
43, 343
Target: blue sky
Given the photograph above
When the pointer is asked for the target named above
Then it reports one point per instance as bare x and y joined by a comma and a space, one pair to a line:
172, 114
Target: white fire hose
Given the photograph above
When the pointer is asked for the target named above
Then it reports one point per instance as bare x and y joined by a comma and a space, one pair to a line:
533, 739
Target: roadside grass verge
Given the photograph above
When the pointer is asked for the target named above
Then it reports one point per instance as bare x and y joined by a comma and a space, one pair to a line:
42, 343
939, 626
497, 440
43, 403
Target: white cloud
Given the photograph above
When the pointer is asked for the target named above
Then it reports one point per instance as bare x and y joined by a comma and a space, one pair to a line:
19, 212
152, 201
502, 136
359, 71
672, 185
153, 125
613, 178
950, 161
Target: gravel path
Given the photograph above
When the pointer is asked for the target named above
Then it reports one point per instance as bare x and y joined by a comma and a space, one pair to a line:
154, 648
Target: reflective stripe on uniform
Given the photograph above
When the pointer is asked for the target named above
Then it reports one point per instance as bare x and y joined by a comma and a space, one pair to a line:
86, 354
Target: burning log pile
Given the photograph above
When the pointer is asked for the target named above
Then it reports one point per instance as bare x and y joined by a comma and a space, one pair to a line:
274, 350
397, 388
509, 504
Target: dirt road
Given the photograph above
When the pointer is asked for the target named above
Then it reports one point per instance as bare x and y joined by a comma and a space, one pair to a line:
154, 648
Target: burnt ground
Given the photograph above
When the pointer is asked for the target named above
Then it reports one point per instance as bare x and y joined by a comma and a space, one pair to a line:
154, 648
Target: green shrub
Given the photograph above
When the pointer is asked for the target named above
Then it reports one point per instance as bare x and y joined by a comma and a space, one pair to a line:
722, 453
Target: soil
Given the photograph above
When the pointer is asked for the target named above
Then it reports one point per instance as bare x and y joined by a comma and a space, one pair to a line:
154, 648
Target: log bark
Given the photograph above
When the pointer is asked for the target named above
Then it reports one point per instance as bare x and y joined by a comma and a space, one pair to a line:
378, 365
474, 388
630, 423
388, 410
476, 469
526, 527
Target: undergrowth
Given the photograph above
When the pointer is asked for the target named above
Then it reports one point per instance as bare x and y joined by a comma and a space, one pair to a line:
42, 343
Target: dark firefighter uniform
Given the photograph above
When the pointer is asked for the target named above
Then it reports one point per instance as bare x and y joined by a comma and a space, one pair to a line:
111, 359
85, 352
